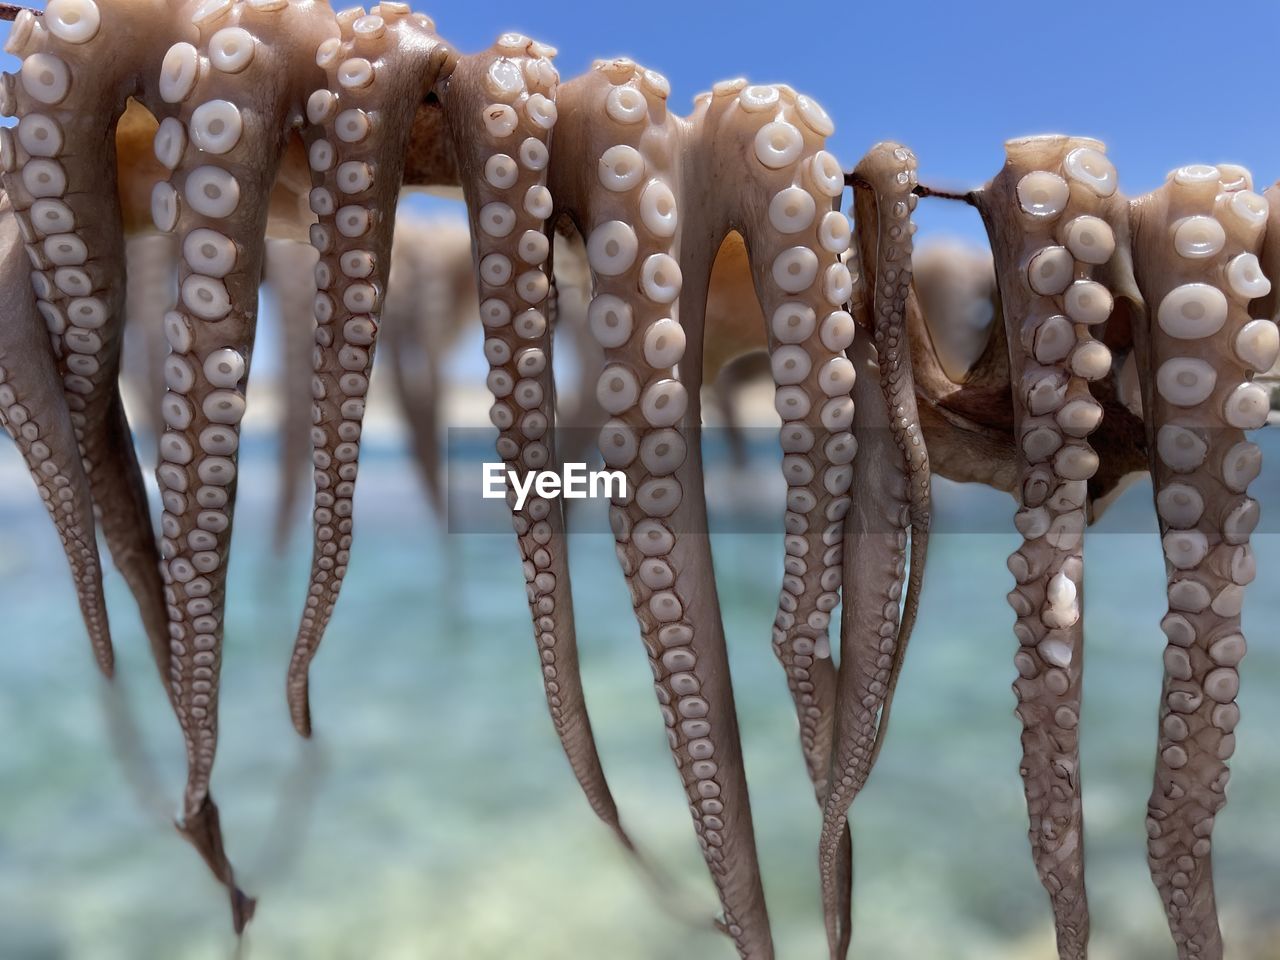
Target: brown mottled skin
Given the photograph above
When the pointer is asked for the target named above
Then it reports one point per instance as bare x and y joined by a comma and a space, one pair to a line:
708, 238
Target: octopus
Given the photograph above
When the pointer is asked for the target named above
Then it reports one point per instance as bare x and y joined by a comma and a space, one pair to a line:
229, 121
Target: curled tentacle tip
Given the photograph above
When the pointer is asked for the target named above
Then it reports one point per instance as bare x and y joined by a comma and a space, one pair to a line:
664, 890
203, 831
299, 697
624, 838
242, 909
302, 719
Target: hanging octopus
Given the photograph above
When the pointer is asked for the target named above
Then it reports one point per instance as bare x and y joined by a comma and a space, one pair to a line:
251, 105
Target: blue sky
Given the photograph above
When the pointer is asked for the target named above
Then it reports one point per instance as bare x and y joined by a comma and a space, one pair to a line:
1163, 83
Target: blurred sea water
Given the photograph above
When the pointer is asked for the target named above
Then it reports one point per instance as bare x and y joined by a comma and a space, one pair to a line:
434, 815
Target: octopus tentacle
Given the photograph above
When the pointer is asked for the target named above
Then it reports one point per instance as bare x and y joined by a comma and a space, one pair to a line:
1195, 259
969, 423
633, 202
502, 106
1050, 226
420, 317
744, 184
795, 236
883, 182
151, 283
894, 495
360, 122
151, 267
883, 198
60, 174
289, 275
727, 387
417, 383
956, 287
221, 144
794, 239
873, 569
570, 296
34, 412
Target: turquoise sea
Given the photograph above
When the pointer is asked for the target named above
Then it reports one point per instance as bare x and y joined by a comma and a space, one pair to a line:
435, 817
